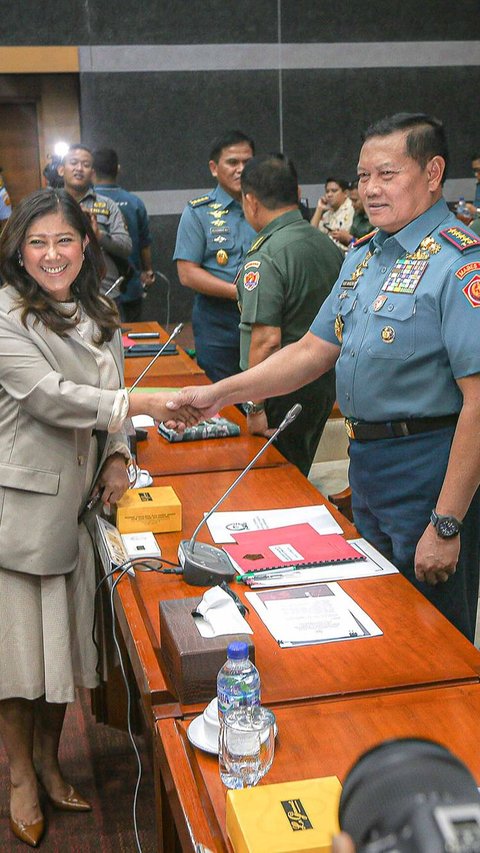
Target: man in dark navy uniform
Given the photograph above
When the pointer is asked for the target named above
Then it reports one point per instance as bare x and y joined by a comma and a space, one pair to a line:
213, 238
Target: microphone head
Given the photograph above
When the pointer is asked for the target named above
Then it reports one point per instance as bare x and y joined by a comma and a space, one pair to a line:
291, 415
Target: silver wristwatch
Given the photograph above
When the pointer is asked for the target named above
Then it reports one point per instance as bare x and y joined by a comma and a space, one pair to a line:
253, 408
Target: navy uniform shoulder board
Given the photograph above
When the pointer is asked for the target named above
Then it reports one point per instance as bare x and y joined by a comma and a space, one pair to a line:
365, 239
257, 243
197, 202
460, 238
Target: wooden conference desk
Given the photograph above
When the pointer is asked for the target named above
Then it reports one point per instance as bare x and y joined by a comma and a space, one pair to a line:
418, 647
168, 370
314, 739
160, 457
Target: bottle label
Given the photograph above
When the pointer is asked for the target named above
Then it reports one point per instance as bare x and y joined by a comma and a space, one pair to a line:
235, 699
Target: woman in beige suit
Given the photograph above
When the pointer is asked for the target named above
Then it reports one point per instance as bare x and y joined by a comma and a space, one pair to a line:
61, 399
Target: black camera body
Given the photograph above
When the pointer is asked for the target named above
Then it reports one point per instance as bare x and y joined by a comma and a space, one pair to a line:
411, 796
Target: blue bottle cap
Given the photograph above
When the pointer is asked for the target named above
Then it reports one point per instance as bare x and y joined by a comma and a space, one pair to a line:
237, 650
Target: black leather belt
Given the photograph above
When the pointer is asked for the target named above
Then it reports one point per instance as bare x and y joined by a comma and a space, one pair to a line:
363, 431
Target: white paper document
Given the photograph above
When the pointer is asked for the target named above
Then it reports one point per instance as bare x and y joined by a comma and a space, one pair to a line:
305, 615
223, 524
374, 565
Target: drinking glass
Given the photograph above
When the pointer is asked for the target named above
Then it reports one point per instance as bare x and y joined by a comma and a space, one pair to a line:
246, 746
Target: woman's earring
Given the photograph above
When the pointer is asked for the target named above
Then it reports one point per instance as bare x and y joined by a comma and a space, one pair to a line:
20, 259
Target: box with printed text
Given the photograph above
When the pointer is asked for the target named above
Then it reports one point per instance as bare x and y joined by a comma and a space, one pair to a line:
154, 508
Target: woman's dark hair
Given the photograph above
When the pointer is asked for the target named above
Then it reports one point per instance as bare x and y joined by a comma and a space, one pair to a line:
86, 287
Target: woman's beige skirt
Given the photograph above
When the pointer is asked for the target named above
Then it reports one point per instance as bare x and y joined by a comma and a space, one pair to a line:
46, 645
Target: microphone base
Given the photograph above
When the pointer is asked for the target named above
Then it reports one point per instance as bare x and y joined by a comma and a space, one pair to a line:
204, 565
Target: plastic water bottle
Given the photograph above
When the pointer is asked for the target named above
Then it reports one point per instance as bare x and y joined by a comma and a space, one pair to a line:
238, 682
462, 209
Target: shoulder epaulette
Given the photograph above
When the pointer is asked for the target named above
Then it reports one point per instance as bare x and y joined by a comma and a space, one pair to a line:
460, 238
364, 239
257, 243
197, 202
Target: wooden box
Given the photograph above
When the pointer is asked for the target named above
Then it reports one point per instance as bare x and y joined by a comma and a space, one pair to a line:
191, 661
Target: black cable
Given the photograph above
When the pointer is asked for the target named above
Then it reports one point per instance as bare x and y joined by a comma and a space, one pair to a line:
123, 568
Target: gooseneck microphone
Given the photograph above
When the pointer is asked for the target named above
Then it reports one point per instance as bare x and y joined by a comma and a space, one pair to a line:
174, 334
204, 564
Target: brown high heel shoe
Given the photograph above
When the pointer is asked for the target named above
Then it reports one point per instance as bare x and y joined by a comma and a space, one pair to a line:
72, 802
29, 833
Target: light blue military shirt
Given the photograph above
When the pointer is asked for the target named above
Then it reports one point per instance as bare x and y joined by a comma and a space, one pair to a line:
405, 311
214, 233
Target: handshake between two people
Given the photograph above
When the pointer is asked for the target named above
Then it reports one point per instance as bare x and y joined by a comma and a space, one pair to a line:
178, 410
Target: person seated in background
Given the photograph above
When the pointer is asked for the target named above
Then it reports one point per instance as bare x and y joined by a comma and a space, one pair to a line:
288, 273
334, 211
106, 168
360, 226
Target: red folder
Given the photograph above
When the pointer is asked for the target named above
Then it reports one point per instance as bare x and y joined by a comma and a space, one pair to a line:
297, 545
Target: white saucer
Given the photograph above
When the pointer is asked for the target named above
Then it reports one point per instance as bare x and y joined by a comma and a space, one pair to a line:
203, 736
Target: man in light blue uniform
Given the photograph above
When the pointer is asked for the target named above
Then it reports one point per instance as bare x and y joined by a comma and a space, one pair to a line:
402, 326
212, 240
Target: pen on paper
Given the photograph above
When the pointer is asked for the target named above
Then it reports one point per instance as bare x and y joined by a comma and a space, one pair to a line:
266, 574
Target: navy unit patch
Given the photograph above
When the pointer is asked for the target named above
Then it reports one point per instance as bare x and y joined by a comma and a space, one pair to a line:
196, 202
460, 238
472, 291
467, 268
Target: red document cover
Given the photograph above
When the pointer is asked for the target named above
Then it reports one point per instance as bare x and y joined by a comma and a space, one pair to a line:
297, 545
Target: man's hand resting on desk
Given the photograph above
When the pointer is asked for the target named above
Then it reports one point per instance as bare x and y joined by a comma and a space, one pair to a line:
257, 424
435, 558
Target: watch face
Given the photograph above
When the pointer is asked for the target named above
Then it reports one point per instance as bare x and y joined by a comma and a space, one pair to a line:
447, 527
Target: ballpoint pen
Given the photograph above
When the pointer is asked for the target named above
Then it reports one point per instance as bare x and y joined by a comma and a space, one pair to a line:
269, 574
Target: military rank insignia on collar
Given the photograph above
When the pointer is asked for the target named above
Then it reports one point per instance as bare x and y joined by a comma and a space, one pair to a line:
459, 238
257, 243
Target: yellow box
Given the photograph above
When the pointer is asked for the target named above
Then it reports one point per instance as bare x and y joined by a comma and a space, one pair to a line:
290, 817
157, 509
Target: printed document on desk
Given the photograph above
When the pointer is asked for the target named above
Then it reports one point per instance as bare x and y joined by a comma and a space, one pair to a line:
224, 525
374, 565
307, 615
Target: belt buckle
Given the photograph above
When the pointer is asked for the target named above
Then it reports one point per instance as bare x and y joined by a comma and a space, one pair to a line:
349, 428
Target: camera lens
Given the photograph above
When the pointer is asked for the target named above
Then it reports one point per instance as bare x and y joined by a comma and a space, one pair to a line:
389, 784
